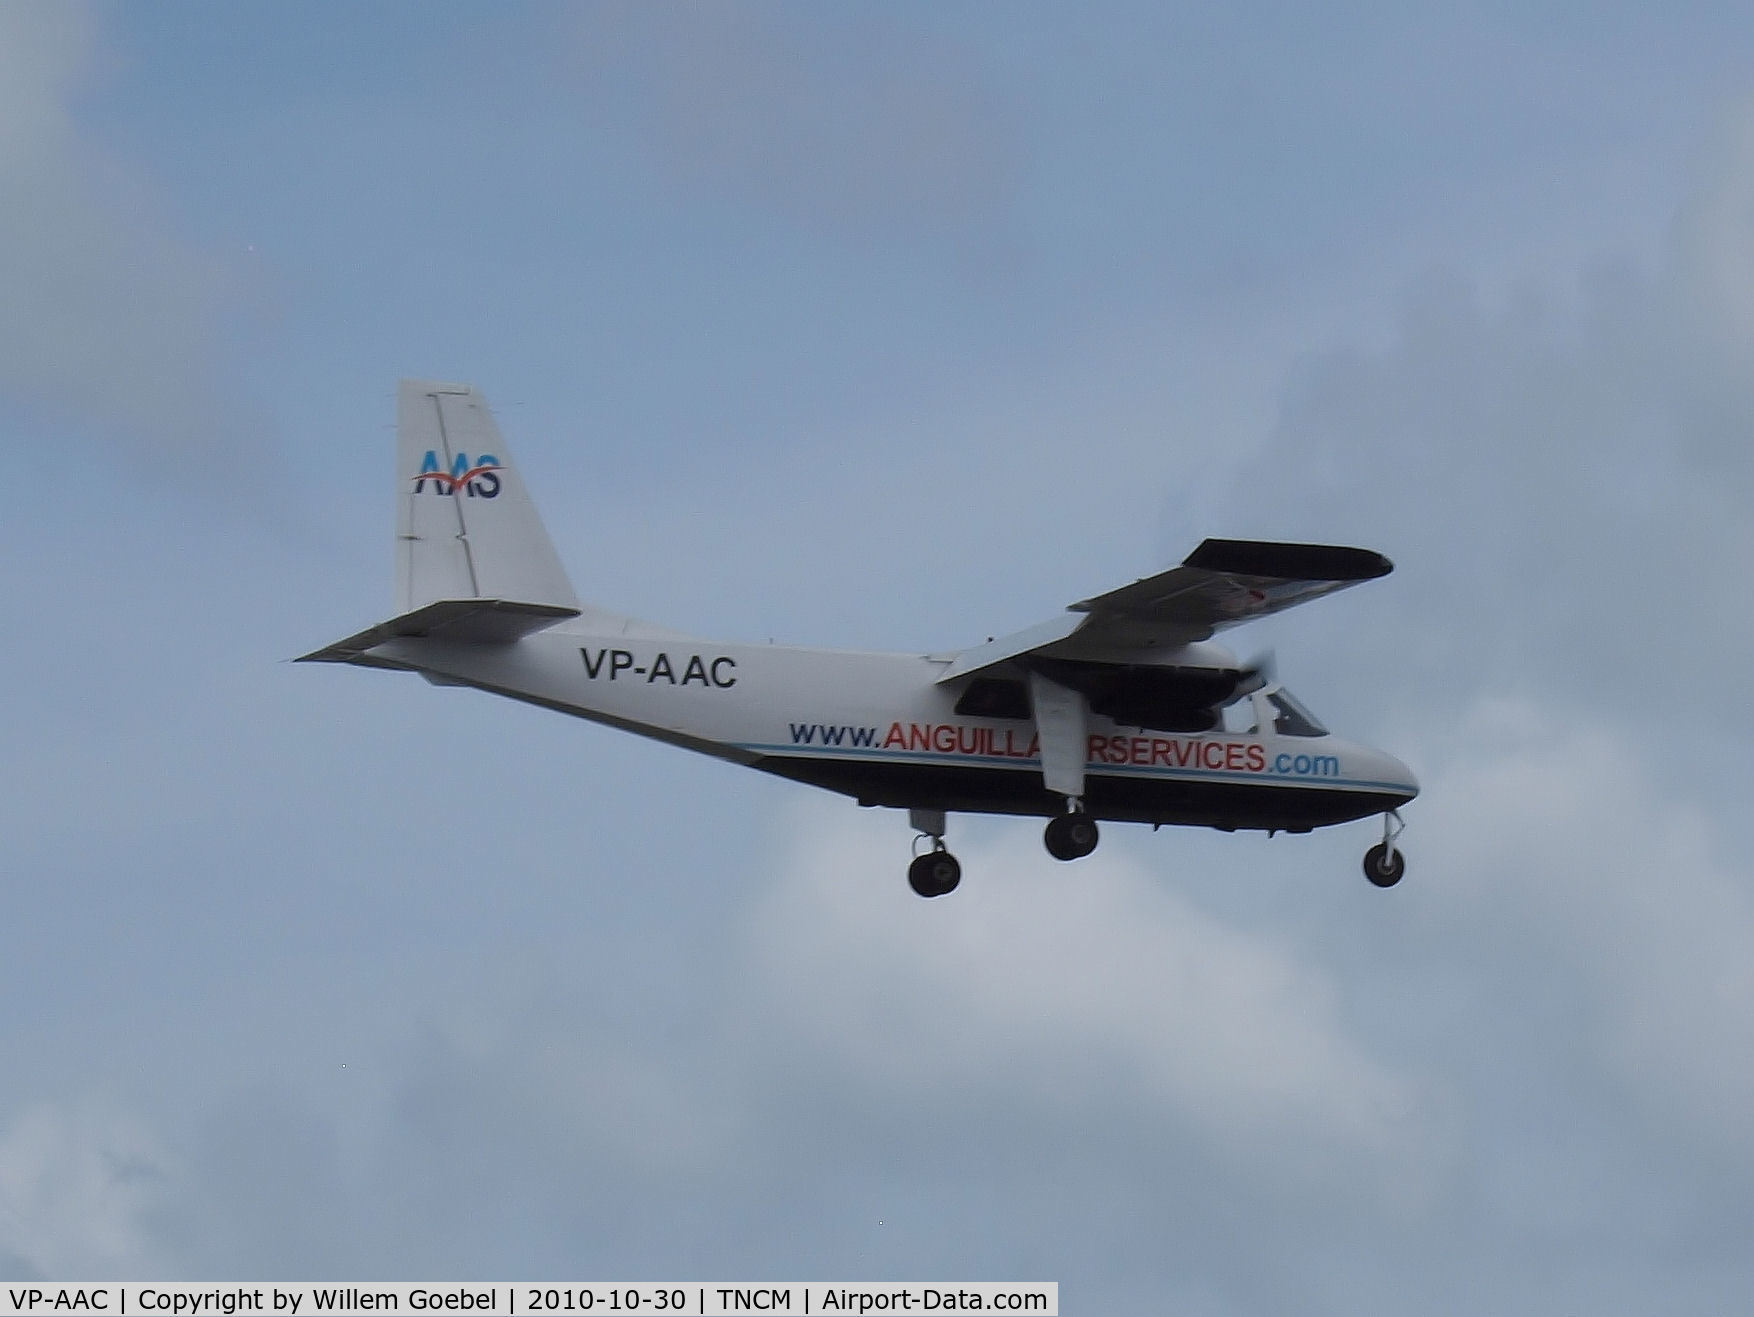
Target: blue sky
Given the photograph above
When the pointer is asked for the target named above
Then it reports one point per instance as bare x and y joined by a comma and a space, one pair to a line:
889, 327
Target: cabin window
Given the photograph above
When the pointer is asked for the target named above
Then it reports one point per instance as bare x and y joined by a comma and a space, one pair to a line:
1290, 718
1239, 718
994, 697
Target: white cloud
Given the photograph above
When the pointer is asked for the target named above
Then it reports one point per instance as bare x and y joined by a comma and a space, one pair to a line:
858, 124
1713, 247
42, 50
76, 1187
1067, 988
1560, 473
1559, 840
108, 316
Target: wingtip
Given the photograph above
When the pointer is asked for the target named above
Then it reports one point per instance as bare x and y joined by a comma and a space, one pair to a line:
1292, 562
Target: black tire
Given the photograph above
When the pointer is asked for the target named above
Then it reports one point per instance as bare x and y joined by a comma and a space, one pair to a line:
1380, 873
936, 873
1071, 836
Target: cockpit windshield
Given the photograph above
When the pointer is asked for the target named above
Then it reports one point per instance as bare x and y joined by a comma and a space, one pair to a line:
1290, 718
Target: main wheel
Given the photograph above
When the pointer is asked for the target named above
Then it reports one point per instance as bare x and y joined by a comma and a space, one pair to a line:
1070, 836
935, 873
1383, 868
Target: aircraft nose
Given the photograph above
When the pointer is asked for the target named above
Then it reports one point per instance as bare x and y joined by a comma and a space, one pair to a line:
1384, 773
1398, 774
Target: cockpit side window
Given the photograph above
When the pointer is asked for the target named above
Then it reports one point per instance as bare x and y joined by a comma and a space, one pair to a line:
1290, 718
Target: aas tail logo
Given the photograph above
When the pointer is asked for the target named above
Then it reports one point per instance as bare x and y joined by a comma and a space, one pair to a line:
479, 480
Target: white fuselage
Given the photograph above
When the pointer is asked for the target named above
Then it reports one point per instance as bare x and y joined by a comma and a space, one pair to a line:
880, 727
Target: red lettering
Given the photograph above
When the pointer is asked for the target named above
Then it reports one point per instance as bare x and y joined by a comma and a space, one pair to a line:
1212, 754
943, 738
1233, 756
1011, 746
895, 737
918, 737
968, 740
1257, 759
1141, 749
1160, 751
1034, 747
1097, 750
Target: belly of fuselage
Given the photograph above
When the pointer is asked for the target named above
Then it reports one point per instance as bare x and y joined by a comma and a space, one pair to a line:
1190, 801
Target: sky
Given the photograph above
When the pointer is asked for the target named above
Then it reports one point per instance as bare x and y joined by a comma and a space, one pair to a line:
898, 327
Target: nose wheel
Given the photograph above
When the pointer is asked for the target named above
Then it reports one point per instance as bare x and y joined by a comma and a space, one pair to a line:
1385, 863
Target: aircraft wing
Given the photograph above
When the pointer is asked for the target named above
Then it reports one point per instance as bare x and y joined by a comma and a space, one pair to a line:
1221, 584
1227, 582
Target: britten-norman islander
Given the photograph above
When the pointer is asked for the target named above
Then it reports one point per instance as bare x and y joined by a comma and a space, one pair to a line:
1121, 708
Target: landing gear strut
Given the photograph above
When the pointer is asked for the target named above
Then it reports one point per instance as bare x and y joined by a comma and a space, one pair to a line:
936, 872
1072, 835
1384, 863
1062, 719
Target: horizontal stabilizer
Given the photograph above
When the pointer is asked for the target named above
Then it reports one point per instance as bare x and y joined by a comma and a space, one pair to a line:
466, 621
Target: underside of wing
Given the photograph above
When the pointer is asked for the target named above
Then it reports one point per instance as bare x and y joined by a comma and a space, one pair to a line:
1139, 647
1224, 583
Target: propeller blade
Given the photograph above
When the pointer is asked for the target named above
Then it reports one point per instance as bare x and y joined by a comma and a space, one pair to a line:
1258, 673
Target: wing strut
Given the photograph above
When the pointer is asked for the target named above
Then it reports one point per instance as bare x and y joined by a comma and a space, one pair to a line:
1062, 720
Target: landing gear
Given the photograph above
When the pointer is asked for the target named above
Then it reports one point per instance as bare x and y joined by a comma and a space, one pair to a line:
1071, 836
936, 872
1384, 863
1383, 866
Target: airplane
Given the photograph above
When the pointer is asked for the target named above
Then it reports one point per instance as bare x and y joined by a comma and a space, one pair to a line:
1119, 709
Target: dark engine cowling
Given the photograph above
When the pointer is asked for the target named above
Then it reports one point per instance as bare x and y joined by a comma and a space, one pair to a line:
1163, 699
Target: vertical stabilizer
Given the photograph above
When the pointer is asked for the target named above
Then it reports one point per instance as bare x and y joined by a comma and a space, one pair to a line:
465, 525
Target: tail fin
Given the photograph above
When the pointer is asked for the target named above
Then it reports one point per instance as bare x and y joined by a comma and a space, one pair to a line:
465, 525
473, 562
